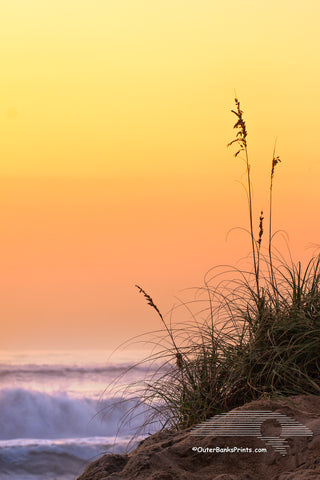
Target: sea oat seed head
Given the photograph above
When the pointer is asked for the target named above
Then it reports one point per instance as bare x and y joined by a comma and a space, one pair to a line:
241, 125
260, 228
179, 360
275, 161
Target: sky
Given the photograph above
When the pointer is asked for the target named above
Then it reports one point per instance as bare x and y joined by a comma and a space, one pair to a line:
114, 167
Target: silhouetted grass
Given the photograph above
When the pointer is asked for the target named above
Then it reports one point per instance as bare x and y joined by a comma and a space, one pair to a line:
255, 333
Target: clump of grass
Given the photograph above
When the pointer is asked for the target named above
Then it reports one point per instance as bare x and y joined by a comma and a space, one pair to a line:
256, 334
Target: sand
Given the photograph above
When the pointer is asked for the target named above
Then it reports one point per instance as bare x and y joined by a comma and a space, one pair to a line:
170, 456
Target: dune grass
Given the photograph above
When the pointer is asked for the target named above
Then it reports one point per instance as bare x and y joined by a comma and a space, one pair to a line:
257, 333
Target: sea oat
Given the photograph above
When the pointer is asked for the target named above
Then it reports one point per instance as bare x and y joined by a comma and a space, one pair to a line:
242, 133
241, 140
260, 228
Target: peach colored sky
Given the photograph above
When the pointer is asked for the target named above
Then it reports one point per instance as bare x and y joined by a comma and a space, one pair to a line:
114, 120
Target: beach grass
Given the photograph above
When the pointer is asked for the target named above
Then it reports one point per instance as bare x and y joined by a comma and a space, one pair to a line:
256, 332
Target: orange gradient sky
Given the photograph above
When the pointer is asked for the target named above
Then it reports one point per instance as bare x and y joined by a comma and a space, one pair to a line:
114, 120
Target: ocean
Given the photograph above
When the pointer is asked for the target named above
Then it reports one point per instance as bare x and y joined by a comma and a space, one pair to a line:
58, 412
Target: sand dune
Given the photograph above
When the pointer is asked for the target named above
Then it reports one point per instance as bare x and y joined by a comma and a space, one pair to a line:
170, 455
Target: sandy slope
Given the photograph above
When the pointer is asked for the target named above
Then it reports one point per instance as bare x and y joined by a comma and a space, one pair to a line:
169, 456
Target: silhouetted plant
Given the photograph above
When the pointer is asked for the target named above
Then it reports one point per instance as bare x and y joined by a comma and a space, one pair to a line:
255, 335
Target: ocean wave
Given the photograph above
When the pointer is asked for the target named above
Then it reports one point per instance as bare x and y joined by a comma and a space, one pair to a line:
70, 370
35, 414
49, 458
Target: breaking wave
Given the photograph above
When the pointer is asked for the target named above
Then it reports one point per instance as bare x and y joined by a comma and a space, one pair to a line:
33, 414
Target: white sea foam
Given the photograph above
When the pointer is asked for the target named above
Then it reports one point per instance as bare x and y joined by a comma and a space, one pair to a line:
52, 419
34, 414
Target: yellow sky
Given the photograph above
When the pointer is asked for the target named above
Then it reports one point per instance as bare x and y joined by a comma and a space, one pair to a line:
114, 120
